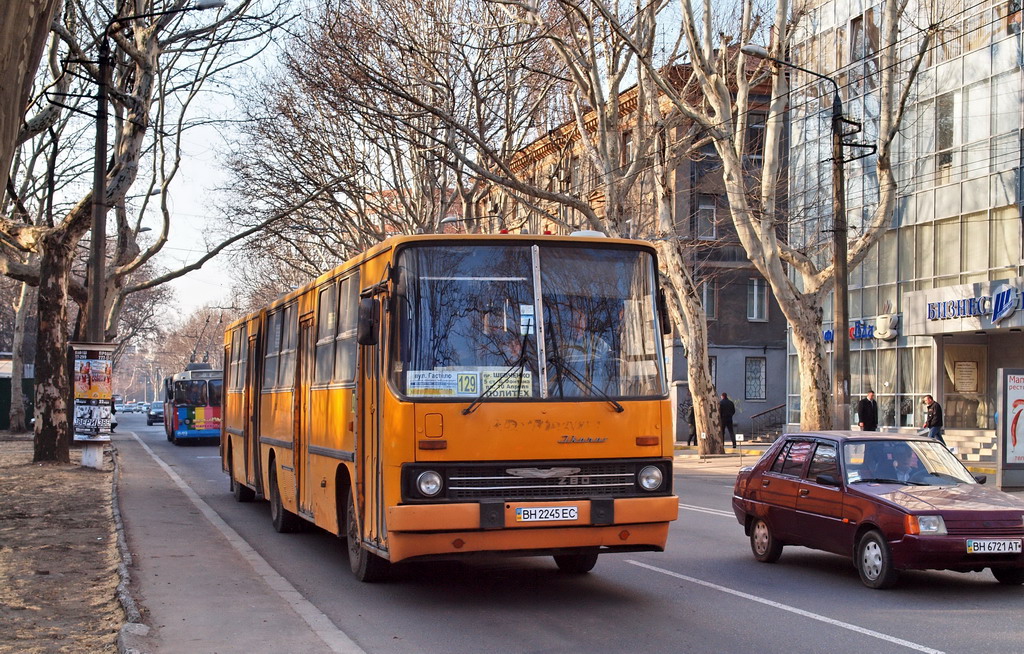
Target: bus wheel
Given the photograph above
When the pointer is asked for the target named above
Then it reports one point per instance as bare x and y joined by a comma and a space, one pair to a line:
284, 521
576, 563
241, 492
366, 565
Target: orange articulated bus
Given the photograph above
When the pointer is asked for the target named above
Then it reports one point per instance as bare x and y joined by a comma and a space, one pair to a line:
441, 396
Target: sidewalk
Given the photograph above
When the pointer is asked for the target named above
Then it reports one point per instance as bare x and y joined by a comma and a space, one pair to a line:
198, 591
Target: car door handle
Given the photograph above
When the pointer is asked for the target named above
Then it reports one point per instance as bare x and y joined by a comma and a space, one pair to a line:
765, 482
804, 492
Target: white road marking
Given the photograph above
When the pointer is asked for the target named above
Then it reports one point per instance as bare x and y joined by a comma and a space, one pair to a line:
791, 609
702, 509
334, 638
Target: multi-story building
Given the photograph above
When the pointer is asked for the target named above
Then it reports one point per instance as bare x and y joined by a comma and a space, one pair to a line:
936, 306
746, 329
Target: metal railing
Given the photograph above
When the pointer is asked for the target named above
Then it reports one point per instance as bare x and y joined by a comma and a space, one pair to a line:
768, 424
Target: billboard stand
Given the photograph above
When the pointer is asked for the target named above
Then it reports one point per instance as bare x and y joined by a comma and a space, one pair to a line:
1010, 429
92, 374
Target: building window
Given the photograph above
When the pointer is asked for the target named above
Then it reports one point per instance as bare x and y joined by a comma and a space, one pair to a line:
706, 228
757, 300
709, 299
755, 382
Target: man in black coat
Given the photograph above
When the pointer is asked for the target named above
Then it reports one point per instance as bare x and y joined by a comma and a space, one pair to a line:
867, 412
727, 410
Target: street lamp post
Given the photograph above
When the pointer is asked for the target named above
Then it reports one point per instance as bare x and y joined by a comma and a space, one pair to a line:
840, 320
96, 270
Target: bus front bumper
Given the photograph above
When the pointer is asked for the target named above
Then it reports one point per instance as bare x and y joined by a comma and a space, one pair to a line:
629, 524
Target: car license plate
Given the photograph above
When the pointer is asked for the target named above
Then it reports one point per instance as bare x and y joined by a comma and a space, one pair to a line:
546, 513
993, 546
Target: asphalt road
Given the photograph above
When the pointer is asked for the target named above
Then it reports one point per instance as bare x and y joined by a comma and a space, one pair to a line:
706, 593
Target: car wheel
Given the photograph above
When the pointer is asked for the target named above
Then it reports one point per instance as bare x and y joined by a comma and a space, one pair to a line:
1009, 576
874, 561
366, 566
149, 423
284, 521
576, 564
763, 543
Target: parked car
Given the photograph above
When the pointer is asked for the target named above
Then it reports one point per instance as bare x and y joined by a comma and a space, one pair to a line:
892, 502
155, 414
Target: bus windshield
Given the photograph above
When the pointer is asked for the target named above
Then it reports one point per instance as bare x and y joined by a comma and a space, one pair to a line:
466, 323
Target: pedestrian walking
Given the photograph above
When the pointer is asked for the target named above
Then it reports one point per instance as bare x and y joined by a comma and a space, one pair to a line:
691, 420
933, 419
867, 412
727, 410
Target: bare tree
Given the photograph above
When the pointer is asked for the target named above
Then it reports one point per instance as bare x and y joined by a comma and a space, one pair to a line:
798, 278
162, 58
24, 25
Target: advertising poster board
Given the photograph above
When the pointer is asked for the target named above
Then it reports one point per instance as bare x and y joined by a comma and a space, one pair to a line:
92, 374
1010, 428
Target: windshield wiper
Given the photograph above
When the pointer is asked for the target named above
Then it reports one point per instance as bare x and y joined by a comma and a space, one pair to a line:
517, 365
584, 383
884, 480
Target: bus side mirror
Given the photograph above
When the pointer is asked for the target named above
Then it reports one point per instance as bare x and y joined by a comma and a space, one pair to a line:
666, 325
369, 318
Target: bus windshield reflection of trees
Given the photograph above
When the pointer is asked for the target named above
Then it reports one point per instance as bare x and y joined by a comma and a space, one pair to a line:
467, 315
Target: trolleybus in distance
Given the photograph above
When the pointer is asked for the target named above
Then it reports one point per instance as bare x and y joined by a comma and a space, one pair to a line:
192, 404
441, 396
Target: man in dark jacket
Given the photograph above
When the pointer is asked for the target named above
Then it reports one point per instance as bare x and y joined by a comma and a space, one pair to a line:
727, 410
867, 412
933, 419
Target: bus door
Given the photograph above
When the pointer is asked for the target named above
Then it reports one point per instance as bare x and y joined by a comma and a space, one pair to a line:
368, 441
307, 354
252, 409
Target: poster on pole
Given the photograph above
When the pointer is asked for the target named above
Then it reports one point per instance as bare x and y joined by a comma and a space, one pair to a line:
92, 375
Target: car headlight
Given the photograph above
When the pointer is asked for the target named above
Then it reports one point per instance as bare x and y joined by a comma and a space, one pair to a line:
926, 525
650, 478
429, 483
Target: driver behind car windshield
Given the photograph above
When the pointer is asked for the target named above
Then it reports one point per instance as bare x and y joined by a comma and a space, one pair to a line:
925, 463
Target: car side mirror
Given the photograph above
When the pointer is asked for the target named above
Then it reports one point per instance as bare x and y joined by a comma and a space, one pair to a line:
980, 478
826, 480
369, 318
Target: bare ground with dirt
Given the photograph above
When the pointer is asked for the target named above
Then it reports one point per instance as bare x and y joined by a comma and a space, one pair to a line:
58, 554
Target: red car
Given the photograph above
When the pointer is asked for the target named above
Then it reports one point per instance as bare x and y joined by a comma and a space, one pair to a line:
891, 502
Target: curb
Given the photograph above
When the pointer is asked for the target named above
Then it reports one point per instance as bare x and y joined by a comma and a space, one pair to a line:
132, 635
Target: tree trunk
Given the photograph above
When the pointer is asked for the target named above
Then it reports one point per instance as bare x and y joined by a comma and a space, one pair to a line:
17, 415
53, 414
815, 383
689, 316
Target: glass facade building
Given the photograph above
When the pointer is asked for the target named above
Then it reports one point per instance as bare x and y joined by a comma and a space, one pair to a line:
924, 303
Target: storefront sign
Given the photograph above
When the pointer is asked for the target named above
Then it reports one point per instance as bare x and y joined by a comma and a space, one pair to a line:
92, 374
966, 307
860, 331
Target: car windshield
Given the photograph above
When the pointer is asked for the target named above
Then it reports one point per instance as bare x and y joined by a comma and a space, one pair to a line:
526, 322
911, 462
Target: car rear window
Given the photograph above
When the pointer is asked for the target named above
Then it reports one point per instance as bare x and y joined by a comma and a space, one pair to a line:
792, 458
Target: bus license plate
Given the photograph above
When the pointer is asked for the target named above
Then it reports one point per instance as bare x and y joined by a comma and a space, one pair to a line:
546, 513
993, 546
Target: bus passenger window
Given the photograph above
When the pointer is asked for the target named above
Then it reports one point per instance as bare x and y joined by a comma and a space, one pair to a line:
273, 346
348, 317
289, 338
326, 328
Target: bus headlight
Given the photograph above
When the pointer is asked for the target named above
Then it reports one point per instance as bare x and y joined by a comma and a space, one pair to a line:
650, 478
429, 483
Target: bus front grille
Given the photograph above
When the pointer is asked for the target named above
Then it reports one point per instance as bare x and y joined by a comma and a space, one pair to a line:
517, 482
